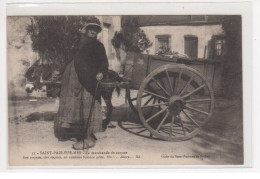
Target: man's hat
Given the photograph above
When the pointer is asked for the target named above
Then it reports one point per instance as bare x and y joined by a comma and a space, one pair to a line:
94, 26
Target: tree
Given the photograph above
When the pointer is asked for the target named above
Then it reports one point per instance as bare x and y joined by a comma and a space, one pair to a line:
131, 37
232, 72
57, 38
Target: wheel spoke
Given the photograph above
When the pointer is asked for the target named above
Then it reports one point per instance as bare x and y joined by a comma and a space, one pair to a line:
133, 99
182, 126
152, 105
151, 89
151, 110
179, 101
197, 100
137, 127
171, 131
156, 114
160, 86
169, 80
186, 85
197, 110
194, 91
162, 83
190, 118
161, 123
157, 95
178, 81
141, 131
148, 100
159, 101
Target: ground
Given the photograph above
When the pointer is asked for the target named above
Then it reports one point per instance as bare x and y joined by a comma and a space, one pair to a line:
32, 140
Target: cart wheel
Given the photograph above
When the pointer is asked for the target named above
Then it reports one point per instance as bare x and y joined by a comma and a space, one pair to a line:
178, 102
131, 98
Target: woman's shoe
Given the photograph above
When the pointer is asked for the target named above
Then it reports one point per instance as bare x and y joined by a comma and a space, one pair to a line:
73, 139
88, 143
105, 124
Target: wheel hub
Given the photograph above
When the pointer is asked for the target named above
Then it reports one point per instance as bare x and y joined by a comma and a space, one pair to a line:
176, 105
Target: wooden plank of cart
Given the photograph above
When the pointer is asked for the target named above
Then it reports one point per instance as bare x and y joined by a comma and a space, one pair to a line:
174, 100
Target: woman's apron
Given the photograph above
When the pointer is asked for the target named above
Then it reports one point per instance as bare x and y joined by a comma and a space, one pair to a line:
75, 103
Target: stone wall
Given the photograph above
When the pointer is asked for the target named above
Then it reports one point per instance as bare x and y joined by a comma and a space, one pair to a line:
19, 54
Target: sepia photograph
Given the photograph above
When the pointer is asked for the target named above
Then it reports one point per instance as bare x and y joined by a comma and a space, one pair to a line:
125, 90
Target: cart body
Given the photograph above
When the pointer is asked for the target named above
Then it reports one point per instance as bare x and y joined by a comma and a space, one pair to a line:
175, 97
138, 66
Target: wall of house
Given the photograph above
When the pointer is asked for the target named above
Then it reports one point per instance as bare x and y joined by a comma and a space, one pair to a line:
177, 33
19, 55
110, 24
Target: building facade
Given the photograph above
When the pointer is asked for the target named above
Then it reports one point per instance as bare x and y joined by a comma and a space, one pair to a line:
110, 24
193, 36
197, 39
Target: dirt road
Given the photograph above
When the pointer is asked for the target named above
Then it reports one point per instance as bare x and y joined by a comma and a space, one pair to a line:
31, 136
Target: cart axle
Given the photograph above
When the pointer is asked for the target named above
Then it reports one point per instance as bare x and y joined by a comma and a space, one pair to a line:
176, 105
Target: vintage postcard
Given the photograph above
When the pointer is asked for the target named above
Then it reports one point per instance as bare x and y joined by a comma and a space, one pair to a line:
125, 90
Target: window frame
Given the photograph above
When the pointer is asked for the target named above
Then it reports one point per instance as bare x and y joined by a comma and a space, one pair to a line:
157, 41
185, 44
222, 43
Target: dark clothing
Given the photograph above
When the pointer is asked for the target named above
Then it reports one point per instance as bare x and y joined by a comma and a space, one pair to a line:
78, 87
74, 106
91, 60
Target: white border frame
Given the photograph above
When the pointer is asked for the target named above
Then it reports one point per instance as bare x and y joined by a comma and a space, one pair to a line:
69, 7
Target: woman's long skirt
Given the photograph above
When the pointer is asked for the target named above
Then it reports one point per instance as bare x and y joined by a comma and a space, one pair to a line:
74, 106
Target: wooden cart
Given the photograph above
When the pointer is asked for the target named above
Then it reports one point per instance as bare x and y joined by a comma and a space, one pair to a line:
174, 100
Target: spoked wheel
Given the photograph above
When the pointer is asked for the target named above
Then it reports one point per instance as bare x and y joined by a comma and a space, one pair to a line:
178, 102
131, 98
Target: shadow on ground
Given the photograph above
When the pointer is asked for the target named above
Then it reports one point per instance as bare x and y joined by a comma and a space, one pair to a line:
129, 121
217, 149
226, 121
43, 116
221, 138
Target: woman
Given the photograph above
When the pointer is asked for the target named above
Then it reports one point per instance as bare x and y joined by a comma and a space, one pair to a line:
78, 89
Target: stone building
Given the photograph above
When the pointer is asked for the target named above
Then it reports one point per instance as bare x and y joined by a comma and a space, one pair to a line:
197, 39
110, 24
197, 36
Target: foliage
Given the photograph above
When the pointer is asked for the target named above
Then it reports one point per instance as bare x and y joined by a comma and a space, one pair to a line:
232, 71
57, 38
131, 37
231, 25
164, 51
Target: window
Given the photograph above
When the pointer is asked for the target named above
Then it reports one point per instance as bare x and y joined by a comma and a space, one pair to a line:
162, 44
219, 46
191, 45
216, 46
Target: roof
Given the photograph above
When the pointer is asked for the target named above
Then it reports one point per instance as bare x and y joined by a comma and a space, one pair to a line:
158, 20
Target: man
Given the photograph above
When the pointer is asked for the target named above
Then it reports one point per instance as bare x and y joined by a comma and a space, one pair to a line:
78, 89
